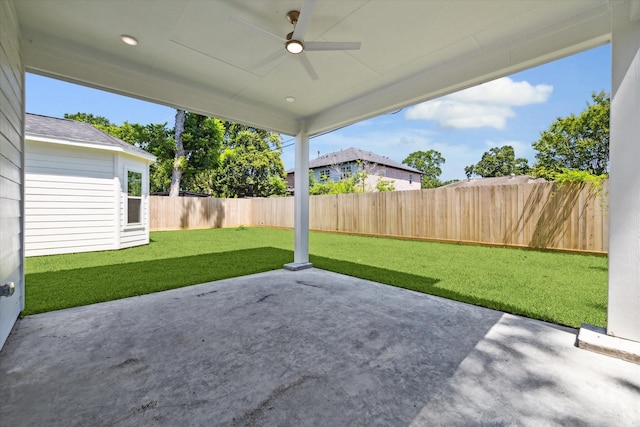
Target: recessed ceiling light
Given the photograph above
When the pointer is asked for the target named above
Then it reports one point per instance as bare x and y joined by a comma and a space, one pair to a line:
131, 41
290, 99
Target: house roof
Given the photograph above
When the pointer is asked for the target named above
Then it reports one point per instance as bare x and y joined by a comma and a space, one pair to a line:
499, 180
352, 155
65, 131
411, 51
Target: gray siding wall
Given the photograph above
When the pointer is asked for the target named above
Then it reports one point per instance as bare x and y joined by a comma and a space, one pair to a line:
11, 167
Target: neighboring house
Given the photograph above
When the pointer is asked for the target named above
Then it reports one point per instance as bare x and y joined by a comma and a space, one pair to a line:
499, 180
344, 163
84, 189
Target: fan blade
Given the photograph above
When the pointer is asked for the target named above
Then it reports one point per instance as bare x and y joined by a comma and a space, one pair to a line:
315, 46
304, 19
307, 66
269, 59
259, 30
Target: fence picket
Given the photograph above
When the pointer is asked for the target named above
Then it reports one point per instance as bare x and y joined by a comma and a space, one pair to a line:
573, 217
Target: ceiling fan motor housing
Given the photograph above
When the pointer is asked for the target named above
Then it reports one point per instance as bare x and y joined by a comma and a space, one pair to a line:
293, 16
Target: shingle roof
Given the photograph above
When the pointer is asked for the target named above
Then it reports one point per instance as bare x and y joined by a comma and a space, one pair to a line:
355, 154
73, 131
500, 180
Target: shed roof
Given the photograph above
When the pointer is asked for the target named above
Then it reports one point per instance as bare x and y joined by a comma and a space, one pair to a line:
355, 154
77, 133
499, 180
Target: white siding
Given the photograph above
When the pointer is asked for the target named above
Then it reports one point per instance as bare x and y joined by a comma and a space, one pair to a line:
11, 168
69, 199
134, 235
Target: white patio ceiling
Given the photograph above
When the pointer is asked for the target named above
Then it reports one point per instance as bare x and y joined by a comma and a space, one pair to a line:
193, 56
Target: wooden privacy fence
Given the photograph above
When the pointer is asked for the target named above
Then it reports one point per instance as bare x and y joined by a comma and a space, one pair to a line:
174, 213
541, 215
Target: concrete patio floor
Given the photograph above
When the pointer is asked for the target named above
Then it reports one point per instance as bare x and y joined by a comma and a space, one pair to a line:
304, 348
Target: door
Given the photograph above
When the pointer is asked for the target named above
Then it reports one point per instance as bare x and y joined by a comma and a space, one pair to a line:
11, 172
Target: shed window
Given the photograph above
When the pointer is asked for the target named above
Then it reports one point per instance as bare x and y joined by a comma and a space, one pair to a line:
324, 175
134, 197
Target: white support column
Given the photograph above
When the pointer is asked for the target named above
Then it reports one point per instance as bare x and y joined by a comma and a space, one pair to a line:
624, 198
301, 202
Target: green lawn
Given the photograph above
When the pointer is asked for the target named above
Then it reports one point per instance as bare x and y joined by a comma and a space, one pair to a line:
561, 288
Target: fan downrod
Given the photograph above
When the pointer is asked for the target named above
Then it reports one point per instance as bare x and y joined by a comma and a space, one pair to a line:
293, 16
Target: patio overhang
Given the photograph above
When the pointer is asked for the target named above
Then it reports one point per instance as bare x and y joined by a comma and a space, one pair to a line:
195, 55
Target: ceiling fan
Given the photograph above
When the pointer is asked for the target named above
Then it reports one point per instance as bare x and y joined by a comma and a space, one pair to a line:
294, 43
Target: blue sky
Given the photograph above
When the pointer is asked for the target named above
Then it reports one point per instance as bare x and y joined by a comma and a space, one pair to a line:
462, 126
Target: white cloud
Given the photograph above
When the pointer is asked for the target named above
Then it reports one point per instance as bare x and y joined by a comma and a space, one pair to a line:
506, 92
461, 115
486, 105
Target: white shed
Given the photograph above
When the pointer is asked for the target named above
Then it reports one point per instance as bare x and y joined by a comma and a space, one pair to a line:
85, 190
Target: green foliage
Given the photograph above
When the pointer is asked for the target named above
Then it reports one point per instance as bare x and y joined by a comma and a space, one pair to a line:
577, 176
384, 185
427, 182
249, 165
201, 139
355, 183
232, 130
221, 158
277, 185
99, 122
498, 161
576, 142
428, 162
157, 140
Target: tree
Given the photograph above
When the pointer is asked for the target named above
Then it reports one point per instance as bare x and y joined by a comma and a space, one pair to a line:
249, 165
98, 122
576, 142
201, 141
156, 139
498, 161
128, 132
428, 162
204, 154
179, 159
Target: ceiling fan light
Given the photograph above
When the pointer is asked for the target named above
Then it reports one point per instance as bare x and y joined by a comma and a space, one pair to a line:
294, 46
